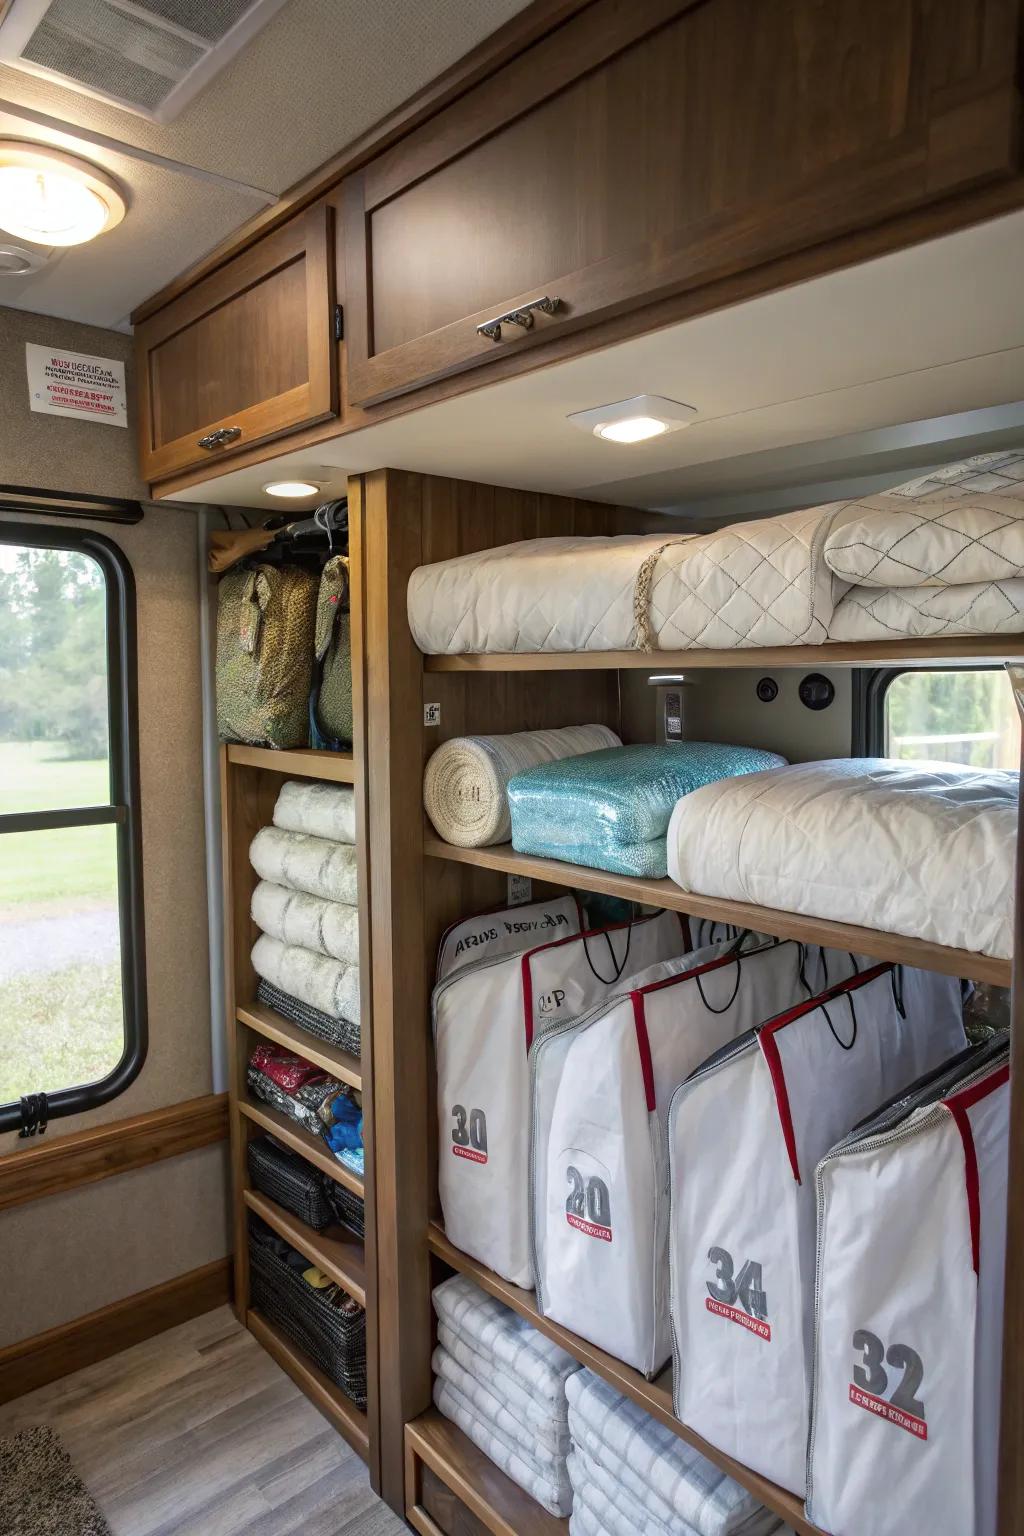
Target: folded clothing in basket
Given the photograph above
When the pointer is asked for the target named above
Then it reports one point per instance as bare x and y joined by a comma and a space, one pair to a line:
676, 1488
317, 1101
503, 1383
325, 1322
329, 986
321, 810
611, 809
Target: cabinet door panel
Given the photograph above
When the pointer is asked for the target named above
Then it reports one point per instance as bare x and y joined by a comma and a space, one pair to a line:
249, 351
696, 145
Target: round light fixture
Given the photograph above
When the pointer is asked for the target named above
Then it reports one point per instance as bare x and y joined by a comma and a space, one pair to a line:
53, 198
293, 489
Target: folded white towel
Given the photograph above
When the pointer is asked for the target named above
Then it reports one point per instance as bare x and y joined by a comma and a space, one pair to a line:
322, 810
495, 1330
545, 1419
668, 1476
328, 985
610, 1503
326, 927
302, 863
466, 779
547, 1451
554, 1492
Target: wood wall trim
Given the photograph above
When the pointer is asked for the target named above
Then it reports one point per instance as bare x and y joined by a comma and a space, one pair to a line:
519, 33
98, 1335
85, 1157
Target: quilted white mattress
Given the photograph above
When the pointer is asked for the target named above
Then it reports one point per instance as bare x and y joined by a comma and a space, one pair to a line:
920, 849
882, 613
751, 584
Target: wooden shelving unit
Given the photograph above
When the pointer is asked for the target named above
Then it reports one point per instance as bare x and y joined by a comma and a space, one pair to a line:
251, 778
785, 925
434, 1445
421, 885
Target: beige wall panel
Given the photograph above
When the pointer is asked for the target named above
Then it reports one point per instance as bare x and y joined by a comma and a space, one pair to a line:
61, 453
74, 1253
723, 706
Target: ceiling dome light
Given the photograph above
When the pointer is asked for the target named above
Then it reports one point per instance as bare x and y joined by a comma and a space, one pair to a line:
295, 489
635, 420
53, 198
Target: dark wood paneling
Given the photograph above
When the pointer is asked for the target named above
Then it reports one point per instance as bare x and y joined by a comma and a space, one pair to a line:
251, 347
660, 147
88, 1156
453, 1489
58, 1352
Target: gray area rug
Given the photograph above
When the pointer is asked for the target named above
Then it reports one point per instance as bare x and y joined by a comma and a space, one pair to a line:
41, 1494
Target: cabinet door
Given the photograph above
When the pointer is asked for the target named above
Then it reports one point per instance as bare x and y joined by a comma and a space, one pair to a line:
643, 149
247, 353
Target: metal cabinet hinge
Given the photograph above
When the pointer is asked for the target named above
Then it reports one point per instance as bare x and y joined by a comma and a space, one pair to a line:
339, 323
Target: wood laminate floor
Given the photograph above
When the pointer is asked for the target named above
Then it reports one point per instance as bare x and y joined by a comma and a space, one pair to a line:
198, 1433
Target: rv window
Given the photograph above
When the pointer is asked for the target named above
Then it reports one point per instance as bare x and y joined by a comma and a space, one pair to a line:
950, 715
72, 995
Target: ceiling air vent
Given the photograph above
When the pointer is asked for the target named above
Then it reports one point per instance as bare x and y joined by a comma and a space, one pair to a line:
150, 56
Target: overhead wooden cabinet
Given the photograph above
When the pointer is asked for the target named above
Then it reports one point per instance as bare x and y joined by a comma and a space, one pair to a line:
245, 354
640, 150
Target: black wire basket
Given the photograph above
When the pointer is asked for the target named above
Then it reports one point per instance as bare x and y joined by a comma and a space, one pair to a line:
288, 1179
340, 1032
327, 1325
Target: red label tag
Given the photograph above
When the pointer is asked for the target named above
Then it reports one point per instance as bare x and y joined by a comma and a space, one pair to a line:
591, 1228
754, 1324
470, 1152
878, 1406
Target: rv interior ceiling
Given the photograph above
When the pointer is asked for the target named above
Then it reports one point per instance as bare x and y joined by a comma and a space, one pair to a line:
511, 681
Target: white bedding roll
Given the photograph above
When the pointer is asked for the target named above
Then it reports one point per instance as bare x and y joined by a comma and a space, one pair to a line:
321, 810
311, 864
328, 985
327, 927
466, 779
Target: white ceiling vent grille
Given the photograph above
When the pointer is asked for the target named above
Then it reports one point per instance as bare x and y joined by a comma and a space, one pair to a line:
150, 56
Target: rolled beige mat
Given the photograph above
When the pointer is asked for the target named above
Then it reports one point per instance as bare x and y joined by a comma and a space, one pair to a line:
465, 783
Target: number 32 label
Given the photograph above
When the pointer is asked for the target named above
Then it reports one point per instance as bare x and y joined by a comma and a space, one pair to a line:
870, 1386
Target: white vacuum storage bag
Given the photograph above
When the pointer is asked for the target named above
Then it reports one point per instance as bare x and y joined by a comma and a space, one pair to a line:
489, 934
746, 1133
485, 1017
908, 1326
601, 1086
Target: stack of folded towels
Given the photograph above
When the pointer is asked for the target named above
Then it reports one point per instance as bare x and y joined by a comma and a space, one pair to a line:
630, 1474
503, 1384
305, 905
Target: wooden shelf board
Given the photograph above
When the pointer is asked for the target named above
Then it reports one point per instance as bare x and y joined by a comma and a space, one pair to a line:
874, 653
499, 1503
273, 1026
654, 1396
311, 1147
340, 1410
300, 762
337, 1252
784, 925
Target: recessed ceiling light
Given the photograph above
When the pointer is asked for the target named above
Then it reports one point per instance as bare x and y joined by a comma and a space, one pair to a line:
295, 489
53, 198
635, 420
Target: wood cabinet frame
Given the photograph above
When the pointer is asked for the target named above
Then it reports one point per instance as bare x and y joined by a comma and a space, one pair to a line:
308, 237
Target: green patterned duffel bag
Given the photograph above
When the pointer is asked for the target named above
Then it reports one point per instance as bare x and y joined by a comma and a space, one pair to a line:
331, 705
266, 617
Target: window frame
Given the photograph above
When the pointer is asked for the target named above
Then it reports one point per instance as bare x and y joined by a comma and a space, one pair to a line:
123, 812
870, 686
